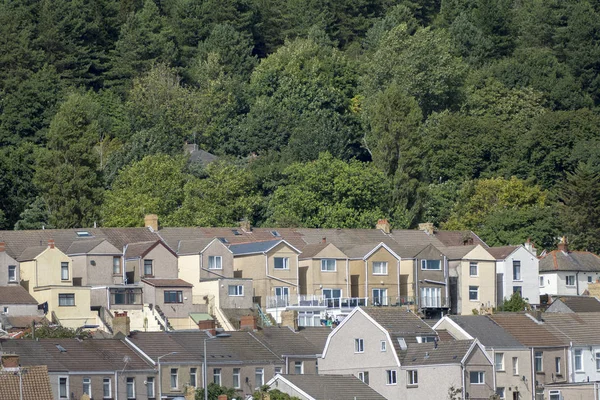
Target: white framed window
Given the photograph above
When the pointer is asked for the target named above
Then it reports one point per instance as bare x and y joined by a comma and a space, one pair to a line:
597, 361
215, 262
541, 281
281, 263
193, 377
431, 297
217, 376
473, 269
328, 265
148, 268
412, 377
364, 376
380, 297
130, 388
106, 388
66, 299
259, 377
380, 267
116, 265
383, 345
174, 378
499, 358
578, 360
150, 387
236, 290
298, 367
474, 293
539, 361
477, 377
63, 387
515, 365
590, 279
516, 270
359, 345
555, 395
87, 386
237, 380
570, 280
64, 271
557, 365
173, 296
12, 273
431, 264
390, 377
501, 393
278, 370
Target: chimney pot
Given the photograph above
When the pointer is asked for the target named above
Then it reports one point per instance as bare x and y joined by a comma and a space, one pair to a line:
151, 221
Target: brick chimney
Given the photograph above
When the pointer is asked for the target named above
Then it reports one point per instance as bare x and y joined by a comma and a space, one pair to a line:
427, 227
245, 225
10, 361
563, 244
530, 246
248, 323
151, 221
324, 240
384, 225
121, 323
2, 247
51, 243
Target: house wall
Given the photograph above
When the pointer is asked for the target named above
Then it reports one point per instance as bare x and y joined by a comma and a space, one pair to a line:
589, 371
407, 278
5, 261
477, 361
549, 374
216, 248
340, 357
309, 365
227, 301
505, 377
529, 282
15, 310
69, 316
550, 283
431, 253
368, 281
434, 381
156, 296
586, 391
76, 384
45, 270
164, 262
486, 281
337, 279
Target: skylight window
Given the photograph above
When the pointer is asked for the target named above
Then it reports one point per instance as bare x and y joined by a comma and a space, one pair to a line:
275, 233
236, 232
223, 240
83, 234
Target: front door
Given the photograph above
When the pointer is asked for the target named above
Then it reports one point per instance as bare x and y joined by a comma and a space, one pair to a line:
380, 297
282, 295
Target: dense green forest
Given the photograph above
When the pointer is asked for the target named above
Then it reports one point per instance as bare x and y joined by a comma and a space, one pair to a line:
471, 114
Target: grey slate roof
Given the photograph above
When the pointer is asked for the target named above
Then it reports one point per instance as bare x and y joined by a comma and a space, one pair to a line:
333, 387
15, 294
30, 253
430, 353
489, 333
253, 247
399, 321
192, 246
457, 238
501, 252
165, 282
138, 250
581, 329
572, 261
527, 331
284, 341
580, 304
85, 246
456, 252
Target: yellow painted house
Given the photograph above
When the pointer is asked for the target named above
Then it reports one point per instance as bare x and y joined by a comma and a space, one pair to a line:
324, 270
47, 273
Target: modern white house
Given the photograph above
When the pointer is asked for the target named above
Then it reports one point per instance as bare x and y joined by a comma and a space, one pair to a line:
517, 270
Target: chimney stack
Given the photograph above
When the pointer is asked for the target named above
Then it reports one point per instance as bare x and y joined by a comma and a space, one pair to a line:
51, 243
563, 244
121, 323
384, 225
151, 221
2, 247
245, 225
10, 361
427, 227
324, 240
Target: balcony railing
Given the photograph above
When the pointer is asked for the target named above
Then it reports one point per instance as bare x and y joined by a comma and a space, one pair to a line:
319, 301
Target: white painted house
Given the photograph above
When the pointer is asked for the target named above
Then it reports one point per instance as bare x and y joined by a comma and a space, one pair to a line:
517, 270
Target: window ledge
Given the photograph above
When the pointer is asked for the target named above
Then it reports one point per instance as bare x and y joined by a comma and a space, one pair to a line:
412, 386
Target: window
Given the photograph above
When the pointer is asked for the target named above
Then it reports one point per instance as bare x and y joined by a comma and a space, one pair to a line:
541, 281
106, 389
380, 297
150, 387
557, 365
278, 370
131, 388
516, 270
174, 380
298, 367
578, 361
555, 395
539, 361
173, 296
590, 280
236, 290
328, 264
380, 268
215, 262
63, 387
413, 378
570, 280
431, 297
425, 339
501, 393
364, 376
598, 361
333, 297
259, 377
515, 364
473, 269
12, 273
359, 346
236, 378
217, 376
390, 376
383, 346
5, 310
64, 271
66, 299
148, 268
193, 377
499, 361
282, 263
477, 377
474, 293
431, 264
518, 289
275, 233
87, 386
116, 265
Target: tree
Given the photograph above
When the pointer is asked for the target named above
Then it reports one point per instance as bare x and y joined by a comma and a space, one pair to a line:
35, 216
153, 185
265, 392
58, 332
580, 196
214, 391
515, 304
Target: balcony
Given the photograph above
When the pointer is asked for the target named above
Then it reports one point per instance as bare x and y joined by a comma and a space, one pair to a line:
319, 302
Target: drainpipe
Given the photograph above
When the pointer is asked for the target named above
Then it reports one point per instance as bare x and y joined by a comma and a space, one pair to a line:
577, 282
464, 384
348, 278
416, 280
366, 282
201, 264
123, 266
116, 385
398, 264
532, 374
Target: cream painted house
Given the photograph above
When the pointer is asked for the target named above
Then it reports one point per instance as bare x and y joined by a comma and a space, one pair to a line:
472, 273
149, 260
47, 273
324, 271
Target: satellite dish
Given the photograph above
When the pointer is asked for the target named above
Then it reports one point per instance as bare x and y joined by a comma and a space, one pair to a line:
126, 359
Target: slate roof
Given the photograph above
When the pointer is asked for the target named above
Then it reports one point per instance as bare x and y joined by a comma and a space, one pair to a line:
445, 336
502, 252
316, 334
527, 331
253, 247
32, 352
163, 282
15, 294
311, 250
399, 321
430, 353
30, 253
456, 252
192, 246
85, 246
580, 304
139, 250
581, 329
34, 382
457, 238
558, 260
333, 387
233, 235
22, 321
284, 341
489, 333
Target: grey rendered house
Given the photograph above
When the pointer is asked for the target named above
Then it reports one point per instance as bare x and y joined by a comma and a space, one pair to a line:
324, 387
400, 356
